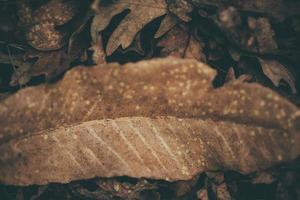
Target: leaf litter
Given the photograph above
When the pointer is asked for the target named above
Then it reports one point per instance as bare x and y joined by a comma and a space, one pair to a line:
245, 41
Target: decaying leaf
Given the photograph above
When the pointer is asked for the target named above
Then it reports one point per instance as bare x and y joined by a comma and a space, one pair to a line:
175, 42
195, 50
178, 42
263, 178
180, 8
45, 31
126, 190
107, 189
277, 72
167, 24
278, 9
222, 192
158, 119
40, 25
202, 194
44, 64
181, 188
265, 36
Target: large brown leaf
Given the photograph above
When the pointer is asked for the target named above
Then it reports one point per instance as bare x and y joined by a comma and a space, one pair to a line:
157, 119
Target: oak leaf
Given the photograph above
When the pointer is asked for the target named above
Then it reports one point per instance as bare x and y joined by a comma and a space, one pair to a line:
141, 13
158, 119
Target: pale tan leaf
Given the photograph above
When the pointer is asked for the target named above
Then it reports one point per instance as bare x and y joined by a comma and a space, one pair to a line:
165, 148
158, 119
150, 88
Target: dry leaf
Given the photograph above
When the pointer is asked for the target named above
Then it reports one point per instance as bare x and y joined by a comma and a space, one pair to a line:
157, 119
44, 64
98, 52
278, 9
202, 194
119, 94
180, 8
181, 188
216, 177
277, 72
168, 22
195, 49
174, 43
263, 178
265, 36
126, 190
141, 13
178, 42
107, 189
222, 192
50, 64
40, 25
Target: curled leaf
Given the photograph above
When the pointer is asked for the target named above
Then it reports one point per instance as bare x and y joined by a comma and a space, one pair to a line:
277, 72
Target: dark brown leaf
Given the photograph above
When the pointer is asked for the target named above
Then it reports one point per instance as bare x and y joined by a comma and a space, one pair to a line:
45, 64
202, 194
40, 25
167, 24
278, 9
180, 8
265, 36
263, 178
222, 192
178, 42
